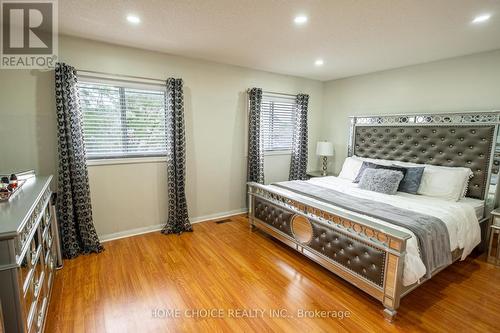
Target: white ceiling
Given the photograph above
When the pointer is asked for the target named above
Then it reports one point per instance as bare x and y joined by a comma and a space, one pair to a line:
352, 36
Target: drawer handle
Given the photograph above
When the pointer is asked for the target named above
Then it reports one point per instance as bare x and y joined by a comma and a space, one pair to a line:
37, 288
41, 314
39, 320
38, 284
33, 257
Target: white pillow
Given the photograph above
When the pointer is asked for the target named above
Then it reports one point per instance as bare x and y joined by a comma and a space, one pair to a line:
463, 175
350, 168
444, 182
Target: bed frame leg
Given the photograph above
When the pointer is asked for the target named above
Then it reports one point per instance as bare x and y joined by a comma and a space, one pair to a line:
390, 314
250, 209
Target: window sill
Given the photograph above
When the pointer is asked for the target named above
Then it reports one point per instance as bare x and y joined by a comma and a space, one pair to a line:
126, 160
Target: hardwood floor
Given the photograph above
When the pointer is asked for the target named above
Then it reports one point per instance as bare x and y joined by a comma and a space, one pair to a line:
227, 268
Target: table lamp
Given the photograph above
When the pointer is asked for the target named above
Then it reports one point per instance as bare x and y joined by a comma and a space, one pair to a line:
324, 149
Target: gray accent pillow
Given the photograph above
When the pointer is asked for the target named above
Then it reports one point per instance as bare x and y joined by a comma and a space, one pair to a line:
370, 165
381, 180
411, 180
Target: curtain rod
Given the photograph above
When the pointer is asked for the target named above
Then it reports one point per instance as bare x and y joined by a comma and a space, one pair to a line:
274, 93
83, 71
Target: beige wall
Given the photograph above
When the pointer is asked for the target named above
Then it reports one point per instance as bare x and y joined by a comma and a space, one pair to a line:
453, 85
133, 196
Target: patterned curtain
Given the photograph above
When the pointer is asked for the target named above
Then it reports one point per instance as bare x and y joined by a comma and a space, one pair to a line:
178, 220
255, 163
298, 164
74, 210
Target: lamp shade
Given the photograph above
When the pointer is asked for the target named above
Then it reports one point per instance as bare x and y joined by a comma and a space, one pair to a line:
324, 148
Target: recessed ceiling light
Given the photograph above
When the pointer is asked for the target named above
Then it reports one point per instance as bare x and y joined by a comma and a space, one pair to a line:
300, 19
481, 18
133, 19
319, 62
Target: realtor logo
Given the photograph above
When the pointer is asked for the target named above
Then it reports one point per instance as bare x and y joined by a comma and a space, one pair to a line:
29, 34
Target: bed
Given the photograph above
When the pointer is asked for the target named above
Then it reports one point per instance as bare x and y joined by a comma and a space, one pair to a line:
384, 258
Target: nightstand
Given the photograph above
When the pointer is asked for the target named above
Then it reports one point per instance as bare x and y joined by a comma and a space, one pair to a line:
494, 248
317, 173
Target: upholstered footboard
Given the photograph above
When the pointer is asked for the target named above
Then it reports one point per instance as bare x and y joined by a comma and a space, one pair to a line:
368, 255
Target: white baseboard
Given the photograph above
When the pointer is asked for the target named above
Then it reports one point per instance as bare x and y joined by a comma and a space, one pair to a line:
158, 227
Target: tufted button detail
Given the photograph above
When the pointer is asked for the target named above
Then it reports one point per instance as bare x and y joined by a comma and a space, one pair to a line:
473, 131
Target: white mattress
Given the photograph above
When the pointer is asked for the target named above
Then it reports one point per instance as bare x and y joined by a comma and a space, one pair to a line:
477, 204
460, 218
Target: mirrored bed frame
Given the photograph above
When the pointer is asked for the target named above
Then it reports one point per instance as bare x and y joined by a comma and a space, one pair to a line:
367, 254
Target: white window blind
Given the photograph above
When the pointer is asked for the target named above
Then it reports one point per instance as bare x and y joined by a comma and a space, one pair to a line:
122, 121
277, 117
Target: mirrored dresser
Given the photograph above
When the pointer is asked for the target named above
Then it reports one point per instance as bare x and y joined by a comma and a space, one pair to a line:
29, 250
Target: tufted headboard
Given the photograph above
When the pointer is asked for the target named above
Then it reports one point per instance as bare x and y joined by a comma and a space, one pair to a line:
455, 146
449, 139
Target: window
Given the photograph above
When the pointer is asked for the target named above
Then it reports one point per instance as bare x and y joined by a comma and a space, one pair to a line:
122, 120
277, 116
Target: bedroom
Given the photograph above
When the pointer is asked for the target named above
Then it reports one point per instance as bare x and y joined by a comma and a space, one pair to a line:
435, 63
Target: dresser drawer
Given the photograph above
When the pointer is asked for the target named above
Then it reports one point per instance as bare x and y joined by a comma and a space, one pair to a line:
28, 300
47, 216
496, 221
32, 314
40, 314
25, 272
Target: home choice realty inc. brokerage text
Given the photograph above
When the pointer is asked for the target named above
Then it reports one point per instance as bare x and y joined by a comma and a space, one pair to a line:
236, 313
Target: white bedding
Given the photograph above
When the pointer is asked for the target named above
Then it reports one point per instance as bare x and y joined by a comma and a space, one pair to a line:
460, 219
